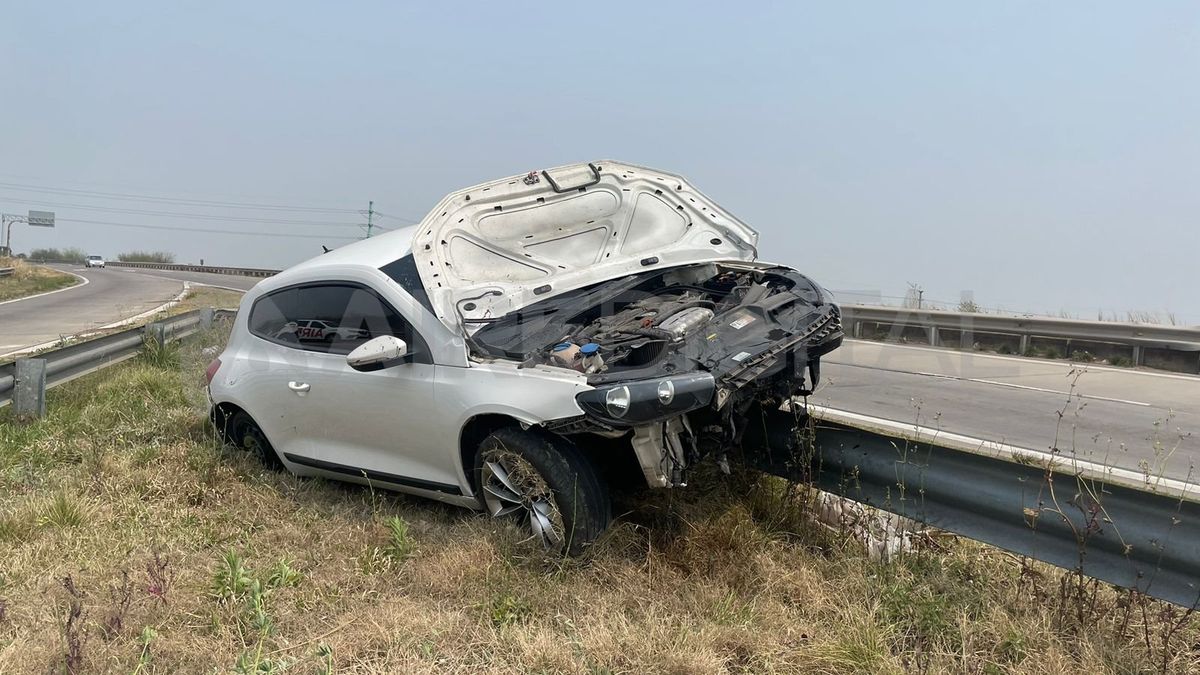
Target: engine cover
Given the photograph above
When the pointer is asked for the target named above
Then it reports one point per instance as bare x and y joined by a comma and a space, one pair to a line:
680, 324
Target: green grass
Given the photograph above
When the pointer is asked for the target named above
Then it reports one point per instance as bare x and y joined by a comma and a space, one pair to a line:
235, 568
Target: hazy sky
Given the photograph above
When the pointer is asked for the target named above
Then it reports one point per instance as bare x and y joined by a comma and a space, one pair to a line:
1045, 156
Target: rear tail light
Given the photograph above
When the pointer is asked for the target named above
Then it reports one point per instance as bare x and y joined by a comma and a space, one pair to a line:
211, 371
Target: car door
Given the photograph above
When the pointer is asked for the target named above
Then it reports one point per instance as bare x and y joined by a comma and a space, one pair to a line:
271, 384
382, 425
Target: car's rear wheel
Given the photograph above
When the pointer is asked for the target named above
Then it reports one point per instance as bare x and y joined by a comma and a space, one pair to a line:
546, 485
243, 432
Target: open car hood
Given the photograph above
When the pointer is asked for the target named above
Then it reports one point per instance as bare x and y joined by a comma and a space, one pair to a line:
495, 247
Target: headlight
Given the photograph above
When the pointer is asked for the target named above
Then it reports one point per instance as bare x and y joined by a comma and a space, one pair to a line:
643, 401
616, 401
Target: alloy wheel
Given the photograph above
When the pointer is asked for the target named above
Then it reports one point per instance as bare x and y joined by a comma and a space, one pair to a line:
512, 487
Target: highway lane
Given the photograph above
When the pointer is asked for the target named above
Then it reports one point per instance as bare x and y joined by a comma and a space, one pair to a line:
230, 281
1139, 420
108, 297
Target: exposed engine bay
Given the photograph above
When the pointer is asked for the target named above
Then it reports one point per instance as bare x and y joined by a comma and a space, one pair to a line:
735, 322
680, 355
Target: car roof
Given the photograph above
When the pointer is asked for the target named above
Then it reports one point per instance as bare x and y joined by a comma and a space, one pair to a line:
373, 253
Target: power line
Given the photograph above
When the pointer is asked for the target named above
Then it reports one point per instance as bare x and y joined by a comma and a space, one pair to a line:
207, 230
178, 214
171, 200
403, 219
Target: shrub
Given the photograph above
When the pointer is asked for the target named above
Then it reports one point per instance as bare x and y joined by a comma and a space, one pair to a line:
147, 257
71, 255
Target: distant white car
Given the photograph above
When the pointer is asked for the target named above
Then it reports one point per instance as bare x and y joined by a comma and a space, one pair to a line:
532, 338
94, 261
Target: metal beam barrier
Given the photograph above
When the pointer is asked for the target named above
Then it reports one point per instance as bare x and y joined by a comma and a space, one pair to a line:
1146, 539
65, 364
1172, 347
207, 269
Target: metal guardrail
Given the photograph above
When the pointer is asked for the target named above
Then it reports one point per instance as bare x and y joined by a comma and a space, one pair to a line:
6, 271
1168, 347
1133, 531
208, 269
67, 363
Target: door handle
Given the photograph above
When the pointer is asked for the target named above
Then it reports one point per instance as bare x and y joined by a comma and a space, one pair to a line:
299, 387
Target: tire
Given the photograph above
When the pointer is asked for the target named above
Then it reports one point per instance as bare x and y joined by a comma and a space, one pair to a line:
546, 481
243, 432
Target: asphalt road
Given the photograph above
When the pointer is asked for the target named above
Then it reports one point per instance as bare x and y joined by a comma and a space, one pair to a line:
111, 294
108, 297
1132, 419
231, 281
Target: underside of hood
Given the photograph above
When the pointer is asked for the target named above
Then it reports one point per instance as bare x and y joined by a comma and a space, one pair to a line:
490, 249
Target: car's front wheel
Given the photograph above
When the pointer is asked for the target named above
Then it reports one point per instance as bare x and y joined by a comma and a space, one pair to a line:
546, 484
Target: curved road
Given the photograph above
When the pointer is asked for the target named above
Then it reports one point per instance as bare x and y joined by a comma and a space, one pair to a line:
111, 294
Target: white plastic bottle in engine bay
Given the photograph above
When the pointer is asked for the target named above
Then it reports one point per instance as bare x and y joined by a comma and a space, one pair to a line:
592, 361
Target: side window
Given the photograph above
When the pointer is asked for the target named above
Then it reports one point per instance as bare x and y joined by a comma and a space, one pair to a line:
330, 318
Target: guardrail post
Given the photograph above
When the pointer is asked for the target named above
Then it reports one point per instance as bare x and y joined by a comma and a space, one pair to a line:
206, 318
29, 390
158, 333
1024, 348
1138, 355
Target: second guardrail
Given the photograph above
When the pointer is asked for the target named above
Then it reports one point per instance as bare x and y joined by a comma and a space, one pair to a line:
1175, 348
24, 381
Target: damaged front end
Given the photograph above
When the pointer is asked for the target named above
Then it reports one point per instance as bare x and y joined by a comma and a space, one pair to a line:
680, 359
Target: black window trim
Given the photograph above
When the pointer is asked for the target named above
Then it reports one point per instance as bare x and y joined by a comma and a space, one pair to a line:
421, 355
415, 291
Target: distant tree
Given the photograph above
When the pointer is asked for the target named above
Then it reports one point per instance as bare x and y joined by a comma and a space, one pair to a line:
71, 255
147, 257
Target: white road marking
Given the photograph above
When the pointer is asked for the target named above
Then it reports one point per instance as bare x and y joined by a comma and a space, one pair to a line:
194, 283
1011, 385
1055, 391
1027, 360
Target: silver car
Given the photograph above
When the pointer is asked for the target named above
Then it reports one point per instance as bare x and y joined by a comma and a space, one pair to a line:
530, 340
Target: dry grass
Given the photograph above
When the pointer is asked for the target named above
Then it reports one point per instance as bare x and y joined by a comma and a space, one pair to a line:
207, 296
134, 543
29, 279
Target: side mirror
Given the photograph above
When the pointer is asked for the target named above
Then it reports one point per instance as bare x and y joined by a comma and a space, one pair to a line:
377, 353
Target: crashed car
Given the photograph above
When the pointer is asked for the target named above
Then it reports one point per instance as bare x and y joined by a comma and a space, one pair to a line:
528, 341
